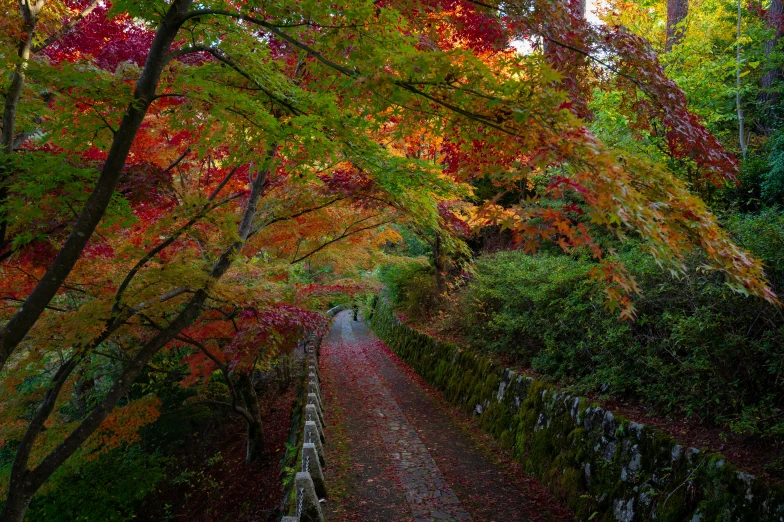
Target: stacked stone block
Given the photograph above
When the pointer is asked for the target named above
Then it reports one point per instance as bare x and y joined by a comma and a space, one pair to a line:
606, 467
309, 483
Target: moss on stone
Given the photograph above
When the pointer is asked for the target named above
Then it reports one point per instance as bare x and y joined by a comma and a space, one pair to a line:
594, 460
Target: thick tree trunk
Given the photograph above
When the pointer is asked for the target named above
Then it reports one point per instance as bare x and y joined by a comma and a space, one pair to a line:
15, 90
29, 481
12, 333
30, 16
16, 504
768, 97
255, 442
255, 431
677, 10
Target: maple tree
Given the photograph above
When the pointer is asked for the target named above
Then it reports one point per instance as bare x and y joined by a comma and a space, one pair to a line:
208, 149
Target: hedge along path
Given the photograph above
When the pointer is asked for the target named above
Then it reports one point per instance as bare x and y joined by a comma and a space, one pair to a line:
410, 459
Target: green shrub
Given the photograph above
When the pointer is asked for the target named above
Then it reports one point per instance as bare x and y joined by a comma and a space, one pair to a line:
696, 347
762, 234
773, 183
411, 286
529, 306
108, 488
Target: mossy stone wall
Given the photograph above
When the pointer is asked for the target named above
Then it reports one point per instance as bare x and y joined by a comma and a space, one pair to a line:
606, 467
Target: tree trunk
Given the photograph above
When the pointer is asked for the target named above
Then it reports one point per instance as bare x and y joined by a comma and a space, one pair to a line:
8, 142
10, 107
738, 106
12, 333
17, 502
18, 80
767, 96
255, 446
438, 262
18, 499
676, 13
15, 91
255, 442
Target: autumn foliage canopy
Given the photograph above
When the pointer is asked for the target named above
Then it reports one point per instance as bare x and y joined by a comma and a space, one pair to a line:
190, 184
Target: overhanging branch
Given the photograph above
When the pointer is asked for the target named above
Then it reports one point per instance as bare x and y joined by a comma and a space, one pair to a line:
344, 235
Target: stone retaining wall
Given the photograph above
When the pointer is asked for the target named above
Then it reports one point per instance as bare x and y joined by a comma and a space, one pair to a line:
604, 466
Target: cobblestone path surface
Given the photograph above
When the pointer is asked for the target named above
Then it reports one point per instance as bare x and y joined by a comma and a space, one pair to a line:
409, 458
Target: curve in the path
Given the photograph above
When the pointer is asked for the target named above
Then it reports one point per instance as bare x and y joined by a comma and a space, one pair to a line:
409, 459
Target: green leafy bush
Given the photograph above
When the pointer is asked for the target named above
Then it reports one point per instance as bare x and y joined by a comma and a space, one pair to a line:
696, 347
108, 488
412, 286
763, 234
773, 182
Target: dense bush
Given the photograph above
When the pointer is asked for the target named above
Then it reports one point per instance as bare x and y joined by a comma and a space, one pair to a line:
107, 488
696, 347
411, 286
773, 183
763, 234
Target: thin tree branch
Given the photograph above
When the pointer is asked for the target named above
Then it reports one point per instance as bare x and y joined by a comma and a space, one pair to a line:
206, 209
298, 214
48, 307
275, 30
224, 370
223, 57
178, 160
66, 27
342, 236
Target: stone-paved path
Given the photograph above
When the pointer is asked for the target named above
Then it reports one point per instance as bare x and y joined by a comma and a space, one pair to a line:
409, 459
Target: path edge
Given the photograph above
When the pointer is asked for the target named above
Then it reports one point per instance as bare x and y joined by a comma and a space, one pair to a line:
604, 466
304, 485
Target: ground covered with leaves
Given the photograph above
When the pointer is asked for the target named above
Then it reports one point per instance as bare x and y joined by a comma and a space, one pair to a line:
409, 455
209, 480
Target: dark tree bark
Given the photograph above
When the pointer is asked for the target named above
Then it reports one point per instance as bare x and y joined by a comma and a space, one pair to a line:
8, 139
677, 10
438, 262
768, 97
255, 431
12, 333
24, 482
30, 17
